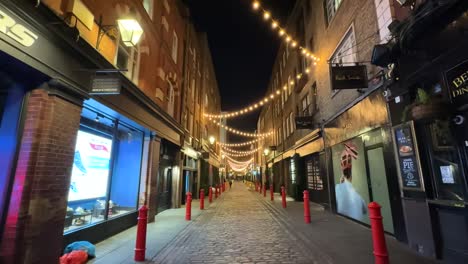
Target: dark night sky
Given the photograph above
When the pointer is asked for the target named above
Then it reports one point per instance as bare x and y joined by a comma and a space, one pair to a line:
243, 48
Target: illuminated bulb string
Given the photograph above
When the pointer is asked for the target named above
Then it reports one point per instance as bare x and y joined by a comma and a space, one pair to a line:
239, 152
241, 133
264, 101
239, 144
282, 32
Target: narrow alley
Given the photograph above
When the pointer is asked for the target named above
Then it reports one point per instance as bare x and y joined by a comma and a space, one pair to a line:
245, 227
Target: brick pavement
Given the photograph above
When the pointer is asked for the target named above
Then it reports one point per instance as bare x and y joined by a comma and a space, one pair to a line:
245, 227
240, 230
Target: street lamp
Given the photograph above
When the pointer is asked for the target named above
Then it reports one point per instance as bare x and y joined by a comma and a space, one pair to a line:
129, 28
130, 31
266, 151
212, 140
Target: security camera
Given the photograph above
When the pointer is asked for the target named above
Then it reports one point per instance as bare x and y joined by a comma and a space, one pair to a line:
458, 119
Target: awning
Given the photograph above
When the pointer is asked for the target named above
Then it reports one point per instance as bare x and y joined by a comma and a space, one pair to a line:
309, 144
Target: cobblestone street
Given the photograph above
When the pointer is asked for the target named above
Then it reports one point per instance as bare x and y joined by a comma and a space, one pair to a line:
240, 229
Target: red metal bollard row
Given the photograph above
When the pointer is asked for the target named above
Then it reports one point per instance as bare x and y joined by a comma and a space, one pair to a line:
140, 247
306, 207
283, 197
378, 236
202, 199
188, 207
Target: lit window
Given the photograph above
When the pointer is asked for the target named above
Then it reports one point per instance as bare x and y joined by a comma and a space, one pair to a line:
128, 59
175, 46
331, 6
148, 5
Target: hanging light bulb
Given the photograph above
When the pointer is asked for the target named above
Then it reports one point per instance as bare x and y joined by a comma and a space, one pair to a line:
255, 5
288, 39
285, 87
266, 15
281, 32
274, 24
294, 44
307, 70
278, 92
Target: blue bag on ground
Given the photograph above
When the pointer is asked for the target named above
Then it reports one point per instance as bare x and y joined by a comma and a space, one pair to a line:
82, 245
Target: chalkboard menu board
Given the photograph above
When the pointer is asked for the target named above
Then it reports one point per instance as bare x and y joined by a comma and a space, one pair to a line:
406, 153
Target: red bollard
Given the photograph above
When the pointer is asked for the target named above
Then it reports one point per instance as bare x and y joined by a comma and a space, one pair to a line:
216, 191
306, 207
188, 207
264, 190
272, 197
140, 247
202, 199
210, 194
283, 197
378, 237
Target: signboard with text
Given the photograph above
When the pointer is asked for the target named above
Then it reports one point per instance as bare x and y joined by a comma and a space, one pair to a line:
457, 83
349, 77
407, 156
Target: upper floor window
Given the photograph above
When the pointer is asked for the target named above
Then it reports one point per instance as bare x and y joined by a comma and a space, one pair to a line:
345, 53
291, 123
305, 105
175, 46
148, 5
331, 6
128, 58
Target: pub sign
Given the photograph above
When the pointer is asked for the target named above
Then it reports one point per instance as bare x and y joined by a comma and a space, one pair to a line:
349, 77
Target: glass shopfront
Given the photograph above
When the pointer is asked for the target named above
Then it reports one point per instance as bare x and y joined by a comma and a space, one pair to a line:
106, 171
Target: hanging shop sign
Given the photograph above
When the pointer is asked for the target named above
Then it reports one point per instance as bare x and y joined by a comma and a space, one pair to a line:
407, 156
457, 83
304, 122
105, 84
349, 77
16, 31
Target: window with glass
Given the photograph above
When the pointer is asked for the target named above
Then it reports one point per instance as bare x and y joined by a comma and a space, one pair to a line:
346, 53
305, 105
445, 161
106, 172
148, 5
291, 123
331, 6
175, 46
128, 59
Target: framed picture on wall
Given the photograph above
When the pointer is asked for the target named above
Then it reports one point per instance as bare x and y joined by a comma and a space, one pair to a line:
440, 134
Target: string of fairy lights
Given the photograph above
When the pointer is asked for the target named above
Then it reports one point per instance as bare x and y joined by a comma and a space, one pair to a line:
240, 144
291, 42
282, 31
270, 97
239, 132
235, 153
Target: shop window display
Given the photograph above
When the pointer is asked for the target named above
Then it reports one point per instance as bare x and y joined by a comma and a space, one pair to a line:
105, 174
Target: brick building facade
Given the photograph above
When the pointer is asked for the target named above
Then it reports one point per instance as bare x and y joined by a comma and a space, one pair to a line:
129, 141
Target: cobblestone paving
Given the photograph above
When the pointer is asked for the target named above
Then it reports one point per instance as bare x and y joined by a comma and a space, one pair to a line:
239, 230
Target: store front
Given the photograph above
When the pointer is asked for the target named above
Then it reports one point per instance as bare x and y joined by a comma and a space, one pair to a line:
435, 203
86, 157
168, 175
190, 175
360, 154
106, 174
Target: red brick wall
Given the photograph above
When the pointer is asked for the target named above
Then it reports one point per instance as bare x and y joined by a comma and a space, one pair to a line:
34, 227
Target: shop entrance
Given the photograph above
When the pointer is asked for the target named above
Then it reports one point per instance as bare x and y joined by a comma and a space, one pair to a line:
165, 188
315, 177
447, 163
